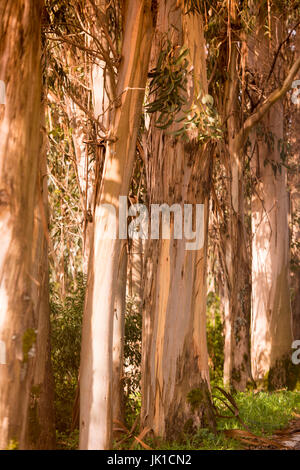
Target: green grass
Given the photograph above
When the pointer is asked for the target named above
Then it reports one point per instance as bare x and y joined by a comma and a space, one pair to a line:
203, 439
262, 412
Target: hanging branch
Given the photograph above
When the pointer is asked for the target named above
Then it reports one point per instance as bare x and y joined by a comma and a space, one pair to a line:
276, 95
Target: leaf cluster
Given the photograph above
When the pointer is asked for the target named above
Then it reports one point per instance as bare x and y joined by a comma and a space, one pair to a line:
168, 84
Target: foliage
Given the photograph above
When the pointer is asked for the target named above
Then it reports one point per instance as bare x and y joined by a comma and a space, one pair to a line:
168, 85
67, 441
66, 318
132, 354
66, 215
133, 408
264, 413
215, 338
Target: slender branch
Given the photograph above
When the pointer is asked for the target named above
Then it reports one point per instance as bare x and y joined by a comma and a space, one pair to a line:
63, 39
101, 18
264, 107
279, 48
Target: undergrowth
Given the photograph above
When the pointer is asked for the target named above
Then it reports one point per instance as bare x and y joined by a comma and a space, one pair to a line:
66, 319
262, 412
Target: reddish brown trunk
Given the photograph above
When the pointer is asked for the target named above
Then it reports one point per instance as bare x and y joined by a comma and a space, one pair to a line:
175, 376
41, 426
20, 120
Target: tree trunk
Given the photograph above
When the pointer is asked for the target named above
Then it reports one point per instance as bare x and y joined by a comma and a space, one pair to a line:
96, 354
20, 120
294, 183
237, 367
271, 317
41, 426
239, 286
175, 375
271, 311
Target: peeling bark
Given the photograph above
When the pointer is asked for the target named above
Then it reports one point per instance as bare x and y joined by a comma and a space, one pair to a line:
175, 375
20, 118
237, 366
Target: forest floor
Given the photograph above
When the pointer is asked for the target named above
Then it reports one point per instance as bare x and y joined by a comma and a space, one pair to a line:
250, 420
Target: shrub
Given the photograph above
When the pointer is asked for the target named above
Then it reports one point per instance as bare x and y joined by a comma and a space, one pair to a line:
66, 319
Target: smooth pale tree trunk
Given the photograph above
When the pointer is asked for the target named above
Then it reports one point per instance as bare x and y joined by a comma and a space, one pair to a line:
271, 316
96, 354
271, 310
90, 177
237, 271
41, 425
102, 84
175, 374
118, 339
294, 183
295, 207
20, 118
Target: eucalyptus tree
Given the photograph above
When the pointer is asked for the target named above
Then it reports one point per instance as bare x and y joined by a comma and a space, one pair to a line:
84, 57
271, 316
293, 131
178, 160
240, 117
96, 354
20, 122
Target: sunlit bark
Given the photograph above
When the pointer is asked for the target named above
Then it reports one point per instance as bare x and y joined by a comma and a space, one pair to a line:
271, 311
175, 376
20, 120
96, 355
271, 318
294, 183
